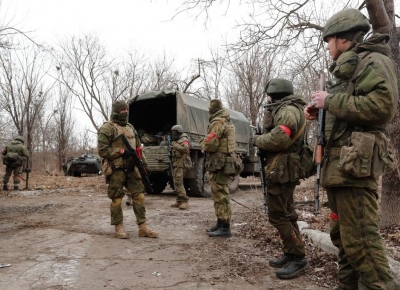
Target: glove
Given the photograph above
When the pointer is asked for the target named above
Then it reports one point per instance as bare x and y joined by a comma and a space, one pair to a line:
126, 154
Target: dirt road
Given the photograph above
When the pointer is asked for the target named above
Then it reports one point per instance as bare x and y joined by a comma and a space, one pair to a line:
58, 236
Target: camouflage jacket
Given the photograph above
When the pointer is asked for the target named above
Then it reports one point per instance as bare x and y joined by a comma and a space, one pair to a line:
363, 99
18, 147
287, 112
221, 135
108, 146
180, 149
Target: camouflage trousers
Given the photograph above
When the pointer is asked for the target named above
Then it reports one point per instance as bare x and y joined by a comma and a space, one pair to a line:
282, 215
117, 180
17, 175
178, 184
220, 195
354, 231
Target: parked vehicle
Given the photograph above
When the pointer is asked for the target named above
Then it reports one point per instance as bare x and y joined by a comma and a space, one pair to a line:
154, 113
87, 163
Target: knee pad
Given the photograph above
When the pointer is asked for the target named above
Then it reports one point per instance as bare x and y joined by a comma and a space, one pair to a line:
139, 199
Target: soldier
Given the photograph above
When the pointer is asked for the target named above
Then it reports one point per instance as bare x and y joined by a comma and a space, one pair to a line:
219, 143
282, 138
14, 156
116, 158
180, 152
359, 104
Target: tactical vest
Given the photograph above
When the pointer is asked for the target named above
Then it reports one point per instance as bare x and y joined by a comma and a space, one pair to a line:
344, 130
227, 142
178, 157
130, 134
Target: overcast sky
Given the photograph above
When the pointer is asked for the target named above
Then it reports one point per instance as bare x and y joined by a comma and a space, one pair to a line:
146, 24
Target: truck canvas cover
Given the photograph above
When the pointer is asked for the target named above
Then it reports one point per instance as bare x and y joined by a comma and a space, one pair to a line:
190, 112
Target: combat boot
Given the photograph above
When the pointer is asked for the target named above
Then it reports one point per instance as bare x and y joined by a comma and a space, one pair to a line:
177, 204
215, 227
280, 261
120, 232
224, 231
5, 187
184, 205
294, 268
129, 201
16, 187
145, 231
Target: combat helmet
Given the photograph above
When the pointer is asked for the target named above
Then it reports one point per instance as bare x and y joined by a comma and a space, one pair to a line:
177, 128
347, 20
279, 87
20, 138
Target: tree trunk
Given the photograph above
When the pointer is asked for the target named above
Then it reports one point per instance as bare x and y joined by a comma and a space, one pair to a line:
390, 214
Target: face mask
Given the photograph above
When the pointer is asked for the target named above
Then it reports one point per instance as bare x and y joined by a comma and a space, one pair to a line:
175, 135
121, 118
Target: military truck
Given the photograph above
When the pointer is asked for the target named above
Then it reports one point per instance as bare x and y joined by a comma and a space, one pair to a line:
154, 113
87, 163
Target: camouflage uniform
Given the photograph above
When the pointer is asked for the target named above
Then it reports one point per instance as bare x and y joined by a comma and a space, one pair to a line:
180, 150
281, 212
17, 146
365, 104
283, 137
219, 143
114, 163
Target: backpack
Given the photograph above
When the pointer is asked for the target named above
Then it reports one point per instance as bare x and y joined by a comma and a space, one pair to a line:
12, 159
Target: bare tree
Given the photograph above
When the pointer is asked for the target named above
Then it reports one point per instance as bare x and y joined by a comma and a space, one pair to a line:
281, 24
89, 75
251, 72
23, 90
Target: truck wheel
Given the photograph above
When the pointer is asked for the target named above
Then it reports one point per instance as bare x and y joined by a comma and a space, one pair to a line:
198, 186
158, 182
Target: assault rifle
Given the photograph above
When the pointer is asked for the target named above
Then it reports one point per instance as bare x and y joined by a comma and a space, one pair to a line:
263, 178
138, 162
27, 170
170, 168
319, 152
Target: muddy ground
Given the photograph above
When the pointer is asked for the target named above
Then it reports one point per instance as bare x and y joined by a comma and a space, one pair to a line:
57, 235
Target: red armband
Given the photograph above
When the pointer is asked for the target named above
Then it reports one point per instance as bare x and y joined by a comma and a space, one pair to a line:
121, 151
212, 135
334, 216
139, 152
286, 130
186, 143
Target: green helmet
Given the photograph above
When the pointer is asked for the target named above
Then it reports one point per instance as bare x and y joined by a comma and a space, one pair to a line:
20, 138
177, 128
279, 87
345, 21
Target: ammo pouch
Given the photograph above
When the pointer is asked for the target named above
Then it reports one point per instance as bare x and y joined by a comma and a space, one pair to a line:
277, 171
233, 165
368, 155
187, 162
214, 162
13, 159
106, 168
307, 165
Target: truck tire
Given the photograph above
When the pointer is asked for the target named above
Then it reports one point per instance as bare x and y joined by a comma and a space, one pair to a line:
158, 182
199, 185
